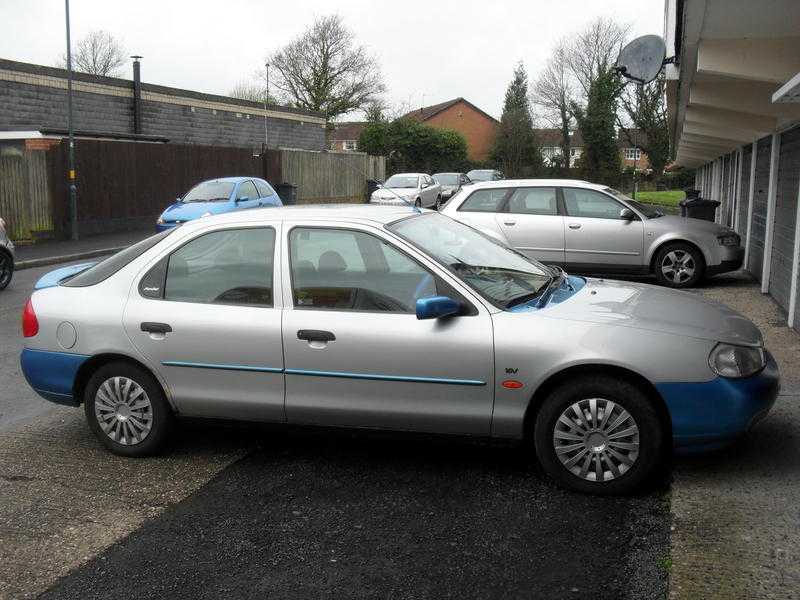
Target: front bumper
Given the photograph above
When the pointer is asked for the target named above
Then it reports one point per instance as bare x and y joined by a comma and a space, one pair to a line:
732, 258
710, 414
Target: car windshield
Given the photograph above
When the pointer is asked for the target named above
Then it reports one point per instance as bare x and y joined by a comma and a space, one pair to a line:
501, 275
210, 191
401, 181
647, 211
480, 175
446, 178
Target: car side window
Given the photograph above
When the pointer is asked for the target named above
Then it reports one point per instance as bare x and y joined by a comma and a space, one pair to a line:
263, 188
590, 204
233, 266
533, 201
339, 269
247, 190
484, 200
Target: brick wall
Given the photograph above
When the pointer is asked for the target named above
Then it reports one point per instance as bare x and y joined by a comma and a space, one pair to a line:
478, 129
34, 97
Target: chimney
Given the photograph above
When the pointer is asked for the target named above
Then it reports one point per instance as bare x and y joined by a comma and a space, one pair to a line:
137, 95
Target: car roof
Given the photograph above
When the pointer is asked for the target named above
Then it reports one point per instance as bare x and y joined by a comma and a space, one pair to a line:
448, 173
408, 174
537, 183
364, 213
232, 179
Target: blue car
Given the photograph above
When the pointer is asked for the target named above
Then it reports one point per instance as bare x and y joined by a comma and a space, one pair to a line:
217, 196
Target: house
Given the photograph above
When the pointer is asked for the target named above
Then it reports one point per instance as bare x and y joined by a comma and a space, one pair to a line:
549, 141
345, 135
733, 106
478, 128
630, 142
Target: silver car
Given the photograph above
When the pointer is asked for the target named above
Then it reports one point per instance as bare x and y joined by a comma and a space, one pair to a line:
590, 228
6, 257
451, 184
418, 189
392, 318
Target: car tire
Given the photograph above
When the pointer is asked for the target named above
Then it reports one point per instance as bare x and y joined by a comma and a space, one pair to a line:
418, 203
679, 265
438, 204
6, 269
573, 454
142, 426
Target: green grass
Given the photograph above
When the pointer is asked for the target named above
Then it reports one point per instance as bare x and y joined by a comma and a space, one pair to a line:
668, 198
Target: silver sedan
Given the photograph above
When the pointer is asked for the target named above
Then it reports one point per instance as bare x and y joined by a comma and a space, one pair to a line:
591, 228
392, 318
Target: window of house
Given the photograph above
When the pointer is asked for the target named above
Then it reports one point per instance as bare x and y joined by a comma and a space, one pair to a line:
350, 145
233, 266
633, 153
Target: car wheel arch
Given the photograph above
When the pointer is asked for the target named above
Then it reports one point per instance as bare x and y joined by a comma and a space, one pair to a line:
95, 362
584, 370
676, 240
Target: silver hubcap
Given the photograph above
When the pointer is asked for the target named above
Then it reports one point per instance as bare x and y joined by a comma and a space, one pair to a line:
123, 410
596, 439
678, 266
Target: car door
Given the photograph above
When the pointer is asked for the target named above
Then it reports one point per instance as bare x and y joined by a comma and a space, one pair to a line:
267, 196
357, 356
204, 317
247, 195
529, 219
479, 209
596, 236
427, 191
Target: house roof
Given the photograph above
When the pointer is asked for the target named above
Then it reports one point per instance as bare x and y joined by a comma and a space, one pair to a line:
426, 112
552, 137
347, 130
630, 138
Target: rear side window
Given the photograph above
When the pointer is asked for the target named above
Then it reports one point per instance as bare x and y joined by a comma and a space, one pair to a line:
484, 200
533, 201
233, 266
106, 268
263, 189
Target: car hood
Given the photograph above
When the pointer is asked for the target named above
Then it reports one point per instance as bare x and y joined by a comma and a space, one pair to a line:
699, 226
186, 211
651, 308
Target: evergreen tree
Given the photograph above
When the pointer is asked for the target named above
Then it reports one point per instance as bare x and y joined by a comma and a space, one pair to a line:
515, 150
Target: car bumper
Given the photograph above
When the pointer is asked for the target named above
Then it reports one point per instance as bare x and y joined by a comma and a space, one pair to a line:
52, 374
732, 259
711, 414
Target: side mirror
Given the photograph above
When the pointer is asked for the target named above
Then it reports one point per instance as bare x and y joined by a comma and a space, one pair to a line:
435, 307
424, 185
627, 214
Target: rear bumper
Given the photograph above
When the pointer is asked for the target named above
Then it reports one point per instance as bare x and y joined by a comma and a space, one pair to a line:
52, 374
711, 414
732, 259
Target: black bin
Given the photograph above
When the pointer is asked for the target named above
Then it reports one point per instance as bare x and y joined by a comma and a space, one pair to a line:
698, 208
287, 193
372, 185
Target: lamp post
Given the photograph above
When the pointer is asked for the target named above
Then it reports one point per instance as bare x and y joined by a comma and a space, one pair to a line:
266, 97
73, 190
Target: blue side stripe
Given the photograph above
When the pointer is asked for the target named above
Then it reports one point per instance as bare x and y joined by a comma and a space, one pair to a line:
343, 374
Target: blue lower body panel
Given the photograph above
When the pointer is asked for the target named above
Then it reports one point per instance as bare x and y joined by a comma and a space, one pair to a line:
713, 413
52, 374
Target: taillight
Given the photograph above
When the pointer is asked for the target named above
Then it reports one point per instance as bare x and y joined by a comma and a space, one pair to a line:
30, 324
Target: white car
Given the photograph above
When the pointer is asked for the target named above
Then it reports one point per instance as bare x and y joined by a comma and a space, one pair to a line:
418, 189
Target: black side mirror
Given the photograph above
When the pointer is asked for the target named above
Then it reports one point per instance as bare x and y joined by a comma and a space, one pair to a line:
627, 214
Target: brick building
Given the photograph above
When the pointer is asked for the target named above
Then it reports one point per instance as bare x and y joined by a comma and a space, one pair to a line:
549, 141
344, 136
33, 98
477, 127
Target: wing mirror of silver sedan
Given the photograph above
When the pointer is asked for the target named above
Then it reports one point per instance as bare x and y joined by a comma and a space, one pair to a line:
627, 214
435, 307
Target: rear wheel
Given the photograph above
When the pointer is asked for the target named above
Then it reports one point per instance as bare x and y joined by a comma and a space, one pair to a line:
599, 435
6, 269
126, 409
679, 265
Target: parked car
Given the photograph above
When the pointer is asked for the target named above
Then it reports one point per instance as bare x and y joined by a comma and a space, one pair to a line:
450, 184
384, 317
6, 257
485, 175
592, 228
217, 196
418, 189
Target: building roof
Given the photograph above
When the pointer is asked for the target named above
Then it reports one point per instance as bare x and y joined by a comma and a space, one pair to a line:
631, 138
552, 137
347, 130
426, 112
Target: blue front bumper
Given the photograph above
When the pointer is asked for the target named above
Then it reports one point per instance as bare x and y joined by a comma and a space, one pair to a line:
711, 414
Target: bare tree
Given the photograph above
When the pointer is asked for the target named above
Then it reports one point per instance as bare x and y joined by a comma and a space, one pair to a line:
594, 51
98, 53
646, 108
324, 70
553, 93
247, 90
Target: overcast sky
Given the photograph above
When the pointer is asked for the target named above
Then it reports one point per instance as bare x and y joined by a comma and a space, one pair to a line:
429, 51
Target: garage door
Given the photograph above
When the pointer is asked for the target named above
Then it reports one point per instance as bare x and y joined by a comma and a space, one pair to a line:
744, 191
785, 217
758, 229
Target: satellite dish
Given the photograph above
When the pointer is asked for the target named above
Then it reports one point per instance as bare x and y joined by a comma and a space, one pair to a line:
641, 60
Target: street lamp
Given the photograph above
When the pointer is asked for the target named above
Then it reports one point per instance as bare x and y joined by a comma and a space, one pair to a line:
73, 191
266, 97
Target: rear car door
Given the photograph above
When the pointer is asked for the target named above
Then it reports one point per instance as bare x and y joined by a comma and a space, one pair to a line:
480, 207
204, 317
531, 222
247, 195
356, 354
596, 237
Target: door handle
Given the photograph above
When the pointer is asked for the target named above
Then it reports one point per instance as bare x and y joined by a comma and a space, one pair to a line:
574, 225
509, 223
315, 335
161, 328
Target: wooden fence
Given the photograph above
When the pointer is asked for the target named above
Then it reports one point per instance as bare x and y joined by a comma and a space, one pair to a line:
24, 199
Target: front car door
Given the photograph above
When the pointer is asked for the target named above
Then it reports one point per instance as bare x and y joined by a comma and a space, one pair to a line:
357, 356
597, 237
247, 195
531, 222
204, 316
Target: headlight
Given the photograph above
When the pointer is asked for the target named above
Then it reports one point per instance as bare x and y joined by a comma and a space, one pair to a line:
160, 221
728, 239
727, 360
205, 214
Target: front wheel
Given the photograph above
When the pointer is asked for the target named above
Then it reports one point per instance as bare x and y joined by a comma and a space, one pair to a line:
599, 435
6, 270
679, 265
